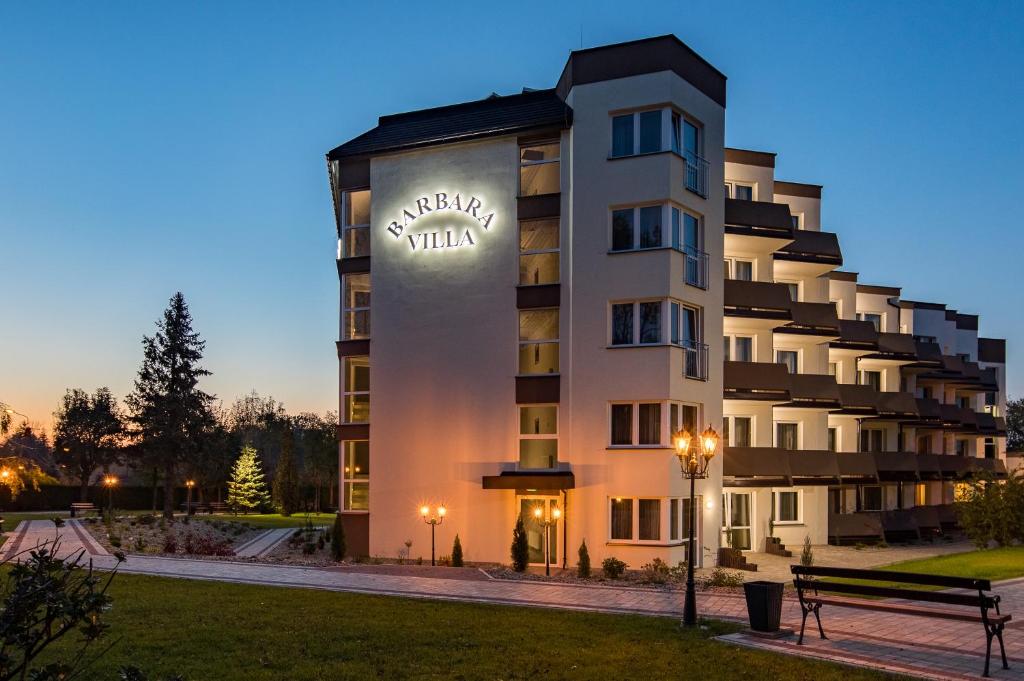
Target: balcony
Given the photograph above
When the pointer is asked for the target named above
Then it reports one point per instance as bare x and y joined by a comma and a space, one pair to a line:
696, 273
695, 360
696, 174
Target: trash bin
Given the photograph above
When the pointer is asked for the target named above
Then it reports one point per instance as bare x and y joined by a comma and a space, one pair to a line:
764, 604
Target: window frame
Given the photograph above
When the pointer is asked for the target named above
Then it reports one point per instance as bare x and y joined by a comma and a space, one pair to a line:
729, 424
664, 417
521, 436
348, 328
732, 337
520, 343
861, 316
635, 342
799, 359
786, 422
526, 164
777, 505
351, 228
730, 268
730, 189
863, 498
348, 484
346, 393
672, 512
540, 251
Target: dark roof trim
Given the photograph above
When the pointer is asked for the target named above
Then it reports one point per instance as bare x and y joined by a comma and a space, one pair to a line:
918, 305
637, 57
881, 290
842, 276
748, 157
539, 480
992, 350
967, 322
807, 191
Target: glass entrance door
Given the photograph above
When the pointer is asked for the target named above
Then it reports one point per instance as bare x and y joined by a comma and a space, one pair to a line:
535, 529
736, 514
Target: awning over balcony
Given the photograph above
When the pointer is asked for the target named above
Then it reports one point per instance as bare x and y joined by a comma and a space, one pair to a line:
897, 346
531, 480
756, 381
896, 466
858, 399
812, 319
759, 299
853, 526
758, 218
928, 354
929, 466
995, 467
812, 246
857, 467
814, 391
756, 466
813, 467
897, 405
856, 335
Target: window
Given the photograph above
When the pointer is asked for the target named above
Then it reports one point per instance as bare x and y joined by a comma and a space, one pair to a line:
636, 323
872, 440
739, 348
355, 224
676, 132
739, 190
650, 226
833, 439
640, 227
356, 475
673, 520
871, 498
787, 436
739, 430
650, 519
647, 426
622, 135
538, 436
355, 306
794, 289
990, 448
539, 169
872, 378
622, 230
641, 133
960, 447
649, 126
356, 390
923, 444
787, 507
538, 341
538, 252
873, 317
683, 417
921, 494
741, 270
833, 370
788, 357
622, 519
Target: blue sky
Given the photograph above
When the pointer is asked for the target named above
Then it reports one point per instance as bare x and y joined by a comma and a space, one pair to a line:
152, 147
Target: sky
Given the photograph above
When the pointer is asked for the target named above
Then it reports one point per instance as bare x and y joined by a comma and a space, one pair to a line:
148, 148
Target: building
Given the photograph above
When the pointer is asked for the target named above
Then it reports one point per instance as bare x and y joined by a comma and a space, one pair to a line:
550, 272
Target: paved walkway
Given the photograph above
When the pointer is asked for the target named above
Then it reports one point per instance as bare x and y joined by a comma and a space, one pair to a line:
937, 649
776, 568
262, 544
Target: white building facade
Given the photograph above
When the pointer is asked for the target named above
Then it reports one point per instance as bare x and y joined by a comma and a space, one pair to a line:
532, 292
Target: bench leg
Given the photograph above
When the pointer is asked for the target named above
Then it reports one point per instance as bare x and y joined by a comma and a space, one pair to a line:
1002, 649
803, 625
807, 609
818, 618
988, 650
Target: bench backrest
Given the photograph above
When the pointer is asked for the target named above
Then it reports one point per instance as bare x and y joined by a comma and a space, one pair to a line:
892, 576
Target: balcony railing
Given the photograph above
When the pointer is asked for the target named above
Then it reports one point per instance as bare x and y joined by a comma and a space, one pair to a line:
695, 360
696, 174
696, 266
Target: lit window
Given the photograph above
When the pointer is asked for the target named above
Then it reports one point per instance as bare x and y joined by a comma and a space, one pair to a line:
355, 223
650, 519
538, 436
356, 475
538, 341
355, 310
539, 169
622, 519
356, 390
538, 252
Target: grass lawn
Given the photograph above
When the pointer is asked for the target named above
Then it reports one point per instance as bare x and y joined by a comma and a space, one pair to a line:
994, 564
219, 631
272, 520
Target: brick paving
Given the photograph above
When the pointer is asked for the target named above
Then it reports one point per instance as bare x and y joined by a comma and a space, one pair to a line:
928, 648
262, 544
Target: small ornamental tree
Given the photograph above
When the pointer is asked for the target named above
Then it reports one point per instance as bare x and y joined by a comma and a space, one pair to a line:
338, 539
247, 490
583, 566
286, 477
807, 555
520, 547
457, 552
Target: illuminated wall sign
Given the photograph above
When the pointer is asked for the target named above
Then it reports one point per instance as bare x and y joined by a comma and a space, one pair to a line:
446, 236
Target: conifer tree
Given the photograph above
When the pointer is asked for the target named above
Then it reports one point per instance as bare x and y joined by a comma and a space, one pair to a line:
583, 566
457, 552
338, 539
286, 477
247, 489
520, 547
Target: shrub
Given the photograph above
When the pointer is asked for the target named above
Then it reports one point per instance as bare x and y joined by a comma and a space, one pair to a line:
722, 577
308, 548
656, 572
170, 543
520, 547
189, 543
807, 555
208, 546
991, 512
444, 560
583, 565
146, 519
320, 543
613, 567
115, 540
338, 539
457, 552
139, 544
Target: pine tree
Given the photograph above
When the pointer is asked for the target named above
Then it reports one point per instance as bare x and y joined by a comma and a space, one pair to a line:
286, 477
457, 552
520, 547
168, 410
583, 566
247, 490
338, 539
807, 555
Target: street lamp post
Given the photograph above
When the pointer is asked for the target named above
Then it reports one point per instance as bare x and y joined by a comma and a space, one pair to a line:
433, 520
538, 514
695, 468
110, 481
189, 484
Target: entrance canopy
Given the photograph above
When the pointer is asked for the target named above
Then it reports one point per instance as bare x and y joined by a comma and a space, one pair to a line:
531, 480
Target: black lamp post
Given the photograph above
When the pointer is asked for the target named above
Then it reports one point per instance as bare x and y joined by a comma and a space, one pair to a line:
110, 481
547, 524
433, 520
694, 462
189, 484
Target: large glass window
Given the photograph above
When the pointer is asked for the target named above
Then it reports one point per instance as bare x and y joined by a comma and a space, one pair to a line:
538, 252
538, 341
787, 507
741, 270
355, 223
872, 440
636, 323
622, 135
622, 519
789, 358
622, 229
650, 519
871, 498
356, 390
650, 226
650, 132
622, 324
355, 306
538, 436
741, 430
622, 424
650, 322
539, 169
356, 475
787, 436
649, 415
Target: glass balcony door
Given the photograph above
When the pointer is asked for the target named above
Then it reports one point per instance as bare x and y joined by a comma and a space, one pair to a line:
535, 529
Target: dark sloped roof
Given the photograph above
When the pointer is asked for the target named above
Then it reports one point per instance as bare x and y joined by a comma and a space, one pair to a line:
460, 122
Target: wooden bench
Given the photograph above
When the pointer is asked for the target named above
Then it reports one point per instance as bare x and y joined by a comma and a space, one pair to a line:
809, 589
82, 507
197, 507
219, 507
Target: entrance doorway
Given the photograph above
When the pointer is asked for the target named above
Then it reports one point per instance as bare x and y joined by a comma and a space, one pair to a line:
736, 523
535, 530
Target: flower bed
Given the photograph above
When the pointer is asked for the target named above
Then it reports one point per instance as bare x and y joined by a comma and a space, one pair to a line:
147, 534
